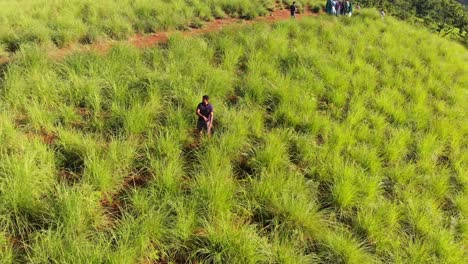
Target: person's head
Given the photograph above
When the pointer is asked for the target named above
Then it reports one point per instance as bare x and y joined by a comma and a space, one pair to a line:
294, 3
206, 99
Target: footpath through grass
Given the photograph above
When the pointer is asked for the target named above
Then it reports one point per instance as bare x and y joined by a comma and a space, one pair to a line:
337, 141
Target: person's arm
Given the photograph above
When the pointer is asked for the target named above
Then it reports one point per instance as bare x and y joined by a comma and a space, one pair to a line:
200, 115
211, 117
210, 123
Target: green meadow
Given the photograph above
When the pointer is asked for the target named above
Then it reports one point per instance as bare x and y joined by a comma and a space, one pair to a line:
337, 140
63, 22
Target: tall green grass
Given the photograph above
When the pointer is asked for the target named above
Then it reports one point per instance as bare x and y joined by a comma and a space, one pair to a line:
336, 141
60, 23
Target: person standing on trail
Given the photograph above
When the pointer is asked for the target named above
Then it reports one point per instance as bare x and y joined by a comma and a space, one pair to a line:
293, 9
382, 13
205, 116
333, 3
340, 9
349, 8
328, 7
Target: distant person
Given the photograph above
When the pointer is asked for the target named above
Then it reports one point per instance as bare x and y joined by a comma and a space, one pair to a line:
293, 9
349, 8
205, 116
382, 13
342, 7
328, 7
338, 7
333, 2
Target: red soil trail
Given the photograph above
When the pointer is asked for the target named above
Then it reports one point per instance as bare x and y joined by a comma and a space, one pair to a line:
216, 25
146, 41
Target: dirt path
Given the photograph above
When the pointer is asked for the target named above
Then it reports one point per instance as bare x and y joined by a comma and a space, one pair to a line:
146, 41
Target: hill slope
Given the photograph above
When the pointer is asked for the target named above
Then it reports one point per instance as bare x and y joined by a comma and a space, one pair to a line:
60, 23
337, 141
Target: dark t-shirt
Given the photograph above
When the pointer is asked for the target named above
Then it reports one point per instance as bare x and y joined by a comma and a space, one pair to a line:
293, 9
205, 110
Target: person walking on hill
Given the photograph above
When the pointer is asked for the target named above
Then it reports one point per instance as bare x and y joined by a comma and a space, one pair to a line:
293, 9
205, 116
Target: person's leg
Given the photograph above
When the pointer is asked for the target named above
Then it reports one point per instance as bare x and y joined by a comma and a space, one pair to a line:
209, 126
200, 127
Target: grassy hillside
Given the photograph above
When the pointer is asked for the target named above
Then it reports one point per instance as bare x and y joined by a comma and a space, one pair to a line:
337, 141
59, 22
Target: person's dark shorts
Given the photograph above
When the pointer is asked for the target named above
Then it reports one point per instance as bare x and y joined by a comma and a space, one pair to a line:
202, 125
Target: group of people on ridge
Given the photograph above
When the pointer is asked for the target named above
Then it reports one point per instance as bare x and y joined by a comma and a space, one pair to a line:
339, 7
333, 7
